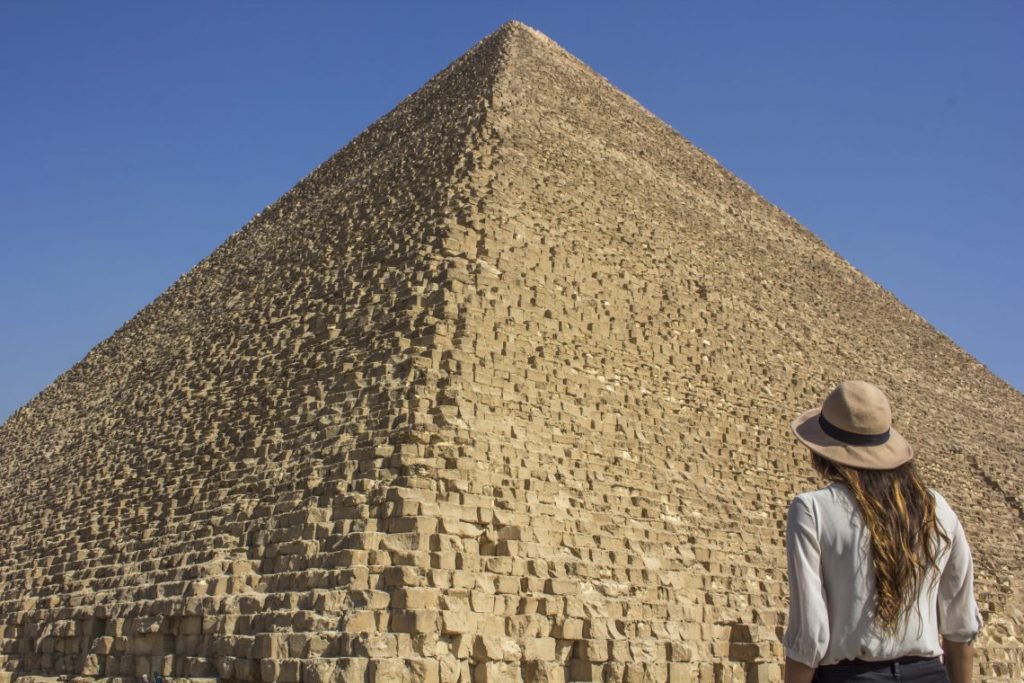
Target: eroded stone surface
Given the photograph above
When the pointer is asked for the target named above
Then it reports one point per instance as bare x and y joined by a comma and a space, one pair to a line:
499, 392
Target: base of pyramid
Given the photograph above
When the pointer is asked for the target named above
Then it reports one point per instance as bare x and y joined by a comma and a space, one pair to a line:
441, 670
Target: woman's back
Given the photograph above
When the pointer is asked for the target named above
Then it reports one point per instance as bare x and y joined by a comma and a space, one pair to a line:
833, 585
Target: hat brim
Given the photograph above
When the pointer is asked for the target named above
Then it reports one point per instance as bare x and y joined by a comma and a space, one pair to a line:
893, 453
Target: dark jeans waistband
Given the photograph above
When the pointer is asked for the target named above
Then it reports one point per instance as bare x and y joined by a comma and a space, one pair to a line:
908, 669
909, 659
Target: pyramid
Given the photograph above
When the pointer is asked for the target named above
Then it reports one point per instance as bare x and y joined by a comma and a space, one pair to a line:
499, 392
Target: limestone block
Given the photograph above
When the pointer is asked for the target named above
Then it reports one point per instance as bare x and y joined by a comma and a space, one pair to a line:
289, 671
350, 670
246, 669
415, 598
462, 646
225, 666
198, 667
140, 666
269, 646
103, 645
570, 628
453, 622
404, 670
497, 672
359, 621
592, 650
586, 671
378, 645
543, 672
415, 620
270, 670
91, 665
764, 672
542, 649
681, 673
744, 652
680, 652
319, 671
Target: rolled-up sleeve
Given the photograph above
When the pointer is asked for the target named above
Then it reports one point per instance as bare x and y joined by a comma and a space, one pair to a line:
807, 630
959, 618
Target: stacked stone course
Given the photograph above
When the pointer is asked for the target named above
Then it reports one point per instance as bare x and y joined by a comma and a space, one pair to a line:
499, 392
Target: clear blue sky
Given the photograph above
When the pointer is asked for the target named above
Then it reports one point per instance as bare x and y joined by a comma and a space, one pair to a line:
135, 137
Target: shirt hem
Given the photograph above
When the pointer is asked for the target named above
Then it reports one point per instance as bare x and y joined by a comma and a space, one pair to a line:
796, 657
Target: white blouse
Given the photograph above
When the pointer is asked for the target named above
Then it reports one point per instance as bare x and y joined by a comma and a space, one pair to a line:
832, 586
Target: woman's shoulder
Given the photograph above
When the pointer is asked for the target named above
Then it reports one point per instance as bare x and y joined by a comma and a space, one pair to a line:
835, 493
943, 510
835, 489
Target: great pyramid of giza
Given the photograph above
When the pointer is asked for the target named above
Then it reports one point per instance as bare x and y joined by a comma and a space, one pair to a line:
498, 392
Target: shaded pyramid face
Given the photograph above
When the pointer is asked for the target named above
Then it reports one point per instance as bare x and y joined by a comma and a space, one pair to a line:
498, 392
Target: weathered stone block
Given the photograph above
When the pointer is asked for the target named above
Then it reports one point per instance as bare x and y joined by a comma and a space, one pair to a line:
497, 672
592, 650
404, 670
415, 598
542, 649
415, 621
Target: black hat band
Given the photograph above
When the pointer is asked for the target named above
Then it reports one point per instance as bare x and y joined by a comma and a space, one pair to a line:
852, 438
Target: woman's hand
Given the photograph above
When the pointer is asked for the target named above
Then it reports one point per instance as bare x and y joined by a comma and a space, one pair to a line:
797, 672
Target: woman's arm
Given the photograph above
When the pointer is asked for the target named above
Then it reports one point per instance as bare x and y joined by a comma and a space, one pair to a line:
959, 617
807, 628
959, 660
799, 673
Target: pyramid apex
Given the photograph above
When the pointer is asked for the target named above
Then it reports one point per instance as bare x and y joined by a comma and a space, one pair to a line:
515, 26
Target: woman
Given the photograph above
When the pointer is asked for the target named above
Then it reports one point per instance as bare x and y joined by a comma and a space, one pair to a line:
878, 564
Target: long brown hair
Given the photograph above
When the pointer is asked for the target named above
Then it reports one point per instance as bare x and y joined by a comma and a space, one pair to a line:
900, 516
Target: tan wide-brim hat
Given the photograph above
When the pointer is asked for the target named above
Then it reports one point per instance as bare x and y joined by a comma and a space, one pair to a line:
854, 427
